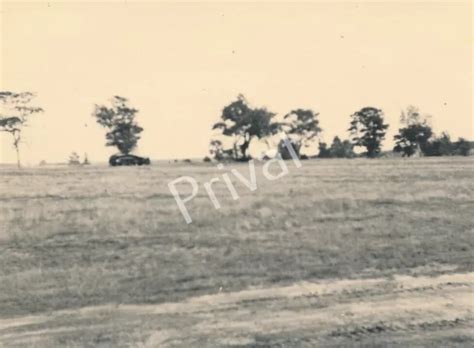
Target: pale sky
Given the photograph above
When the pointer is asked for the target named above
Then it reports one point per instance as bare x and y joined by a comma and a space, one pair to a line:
180, 64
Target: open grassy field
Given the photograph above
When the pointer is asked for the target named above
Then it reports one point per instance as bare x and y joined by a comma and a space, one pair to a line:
338, 252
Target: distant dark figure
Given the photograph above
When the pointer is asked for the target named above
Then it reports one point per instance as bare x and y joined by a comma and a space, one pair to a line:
86, 160
74, 159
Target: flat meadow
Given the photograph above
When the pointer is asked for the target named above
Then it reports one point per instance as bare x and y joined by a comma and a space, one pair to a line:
101, 256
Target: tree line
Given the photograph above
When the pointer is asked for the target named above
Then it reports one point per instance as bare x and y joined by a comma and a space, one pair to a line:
242, 123
118, 118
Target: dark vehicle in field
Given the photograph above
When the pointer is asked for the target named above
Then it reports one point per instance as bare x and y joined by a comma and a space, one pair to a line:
128, 160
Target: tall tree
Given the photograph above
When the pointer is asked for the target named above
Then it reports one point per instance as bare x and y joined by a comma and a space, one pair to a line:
244, 123
301, 126
368, 129
119, 118
415, 134
14, 115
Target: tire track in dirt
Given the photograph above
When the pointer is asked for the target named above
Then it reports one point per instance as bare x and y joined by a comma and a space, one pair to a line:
324, 313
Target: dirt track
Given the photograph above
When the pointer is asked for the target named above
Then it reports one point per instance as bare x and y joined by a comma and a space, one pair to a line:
402, 310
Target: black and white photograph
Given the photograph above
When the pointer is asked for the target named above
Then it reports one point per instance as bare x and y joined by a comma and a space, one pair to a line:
236, 174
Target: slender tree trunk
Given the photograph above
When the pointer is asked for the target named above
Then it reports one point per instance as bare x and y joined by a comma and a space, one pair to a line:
371, 153
418, 150
240, 151
235, 151
18, 163
243, 149
16, 144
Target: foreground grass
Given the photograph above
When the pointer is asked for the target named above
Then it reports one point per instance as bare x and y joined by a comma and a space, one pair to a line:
75, 237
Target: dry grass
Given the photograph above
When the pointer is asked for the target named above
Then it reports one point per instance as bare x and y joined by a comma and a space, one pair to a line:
75, 237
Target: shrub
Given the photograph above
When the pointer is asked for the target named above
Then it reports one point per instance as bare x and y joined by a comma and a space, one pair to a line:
324, 151
440, 146
462, 147
74, 159
341, 149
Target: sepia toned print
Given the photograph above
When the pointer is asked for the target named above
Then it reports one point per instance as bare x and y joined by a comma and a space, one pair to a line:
236, 174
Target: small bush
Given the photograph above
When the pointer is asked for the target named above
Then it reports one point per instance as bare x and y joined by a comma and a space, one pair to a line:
462, 147
440, 146
324, 151
341, 149
74, 159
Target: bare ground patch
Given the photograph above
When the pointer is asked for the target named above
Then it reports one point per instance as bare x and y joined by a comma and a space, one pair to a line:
400, 310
